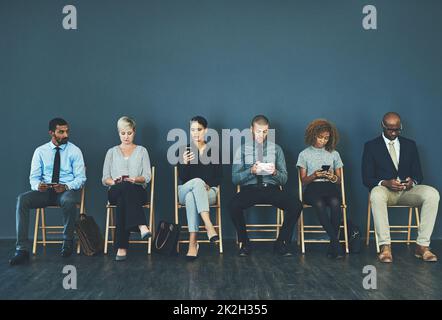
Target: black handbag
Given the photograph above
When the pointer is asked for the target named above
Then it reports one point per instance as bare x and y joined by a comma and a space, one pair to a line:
89, 235
166, 238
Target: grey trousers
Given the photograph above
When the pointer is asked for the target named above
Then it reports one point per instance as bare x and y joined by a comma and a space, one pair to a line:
35, 199
422, 196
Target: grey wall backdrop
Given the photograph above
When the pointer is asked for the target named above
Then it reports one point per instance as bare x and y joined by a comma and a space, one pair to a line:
164, 61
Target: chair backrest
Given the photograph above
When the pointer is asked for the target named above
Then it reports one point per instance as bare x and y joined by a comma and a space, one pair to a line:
342, 186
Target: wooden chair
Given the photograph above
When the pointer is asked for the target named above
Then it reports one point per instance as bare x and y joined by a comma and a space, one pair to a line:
57, 229
110, 224
185, 228
315, 229
265, 228
396, 228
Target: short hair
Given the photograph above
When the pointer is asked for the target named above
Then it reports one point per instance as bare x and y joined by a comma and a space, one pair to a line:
56, 122
126, 122
388, 114
201, 120
260, 119
318, 126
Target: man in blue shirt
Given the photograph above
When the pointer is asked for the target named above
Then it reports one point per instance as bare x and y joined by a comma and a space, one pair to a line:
57, 174
259, 168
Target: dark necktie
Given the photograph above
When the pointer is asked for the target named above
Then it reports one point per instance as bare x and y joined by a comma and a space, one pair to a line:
260, 157
56, 169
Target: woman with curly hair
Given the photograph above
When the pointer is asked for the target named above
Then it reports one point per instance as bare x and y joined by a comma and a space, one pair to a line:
320, 170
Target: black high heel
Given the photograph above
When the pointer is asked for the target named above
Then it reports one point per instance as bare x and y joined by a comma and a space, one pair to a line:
192, 258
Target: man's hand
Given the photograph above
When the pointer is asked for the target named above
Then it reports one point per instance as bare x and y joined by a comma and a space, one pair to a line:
43, 187
254, 168
409, 184
393, 185
60, 188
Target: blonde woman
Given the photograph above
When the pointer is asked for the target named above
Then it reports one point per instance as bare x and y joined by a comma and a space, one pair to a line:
126, 172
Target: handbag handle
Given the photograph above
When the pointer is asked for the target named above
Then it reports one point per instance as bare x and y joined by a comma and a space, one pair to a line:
164, 242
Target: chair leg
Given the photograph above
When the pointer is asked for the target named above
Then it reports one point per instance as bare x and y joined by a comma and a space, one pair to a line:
149, 241
112, 223
78, 247
106, 237
43, 226
37, 216
367, 240
302, 232
376, 239
220, 231
410, 216
278, 222
344, 215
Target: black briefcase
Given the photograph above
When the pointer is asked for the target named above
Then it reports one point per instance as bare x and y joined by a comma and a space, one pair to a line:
166, 238
89, 235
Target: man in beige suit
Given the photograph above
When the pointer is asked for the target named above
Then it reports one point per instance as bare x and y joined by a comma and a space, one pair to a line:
391, 170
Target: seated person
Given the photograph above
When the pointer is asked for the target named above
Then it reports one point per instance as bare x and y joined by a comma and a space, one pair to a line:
199, 185
392, 172
320, 171
126, 171
57, 174
259, 168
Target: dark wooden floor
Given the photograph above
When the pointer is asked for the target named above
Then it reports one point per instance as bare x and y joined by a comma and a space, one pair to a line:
212, 276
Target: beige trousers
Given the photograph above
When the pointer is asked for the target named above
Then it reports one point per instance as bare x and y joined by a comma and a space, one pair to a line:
425, 197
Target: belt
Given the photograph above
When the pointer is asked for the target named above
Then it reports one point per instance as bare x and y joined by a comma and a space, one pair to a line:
259, 185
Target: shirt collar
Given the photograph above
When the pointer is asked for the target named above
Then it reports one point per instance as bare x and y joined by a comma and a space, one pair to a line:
53, 146
387, 141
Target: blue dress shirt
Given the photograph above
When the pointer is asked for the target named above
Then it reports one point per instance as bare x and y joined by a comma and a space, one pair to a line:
72, 169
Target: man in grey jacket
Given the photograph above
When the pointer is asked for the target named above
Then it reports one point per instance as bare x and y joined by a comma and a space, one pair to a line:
259, 168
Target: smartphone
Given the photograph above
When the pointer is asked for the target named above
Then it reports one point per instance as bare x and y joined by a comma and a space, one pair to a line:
325, 168
50, 185
404, 181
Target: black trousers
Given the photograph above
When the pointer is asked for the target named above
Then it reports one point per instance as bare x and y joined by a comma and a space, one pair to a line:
281, 199
321, 195
129, 199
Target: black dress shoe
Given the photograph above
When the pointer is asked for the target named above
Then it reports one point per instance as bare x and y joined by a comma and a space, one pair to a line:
244, 249
281, 248
20, 257
67, 249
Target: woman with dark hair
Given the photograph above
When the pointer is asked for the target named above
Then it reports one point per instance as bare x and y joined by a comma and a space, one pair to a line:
320, 170
199, 182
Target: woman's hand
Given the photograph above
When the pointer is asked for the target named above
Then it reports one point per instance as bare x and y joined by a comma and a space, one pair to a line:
329, 175
130, 180
318, 174
188, 156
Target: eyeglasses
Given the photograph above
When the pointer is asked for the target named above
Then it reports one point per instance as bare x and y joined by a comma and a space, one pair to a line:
398, 130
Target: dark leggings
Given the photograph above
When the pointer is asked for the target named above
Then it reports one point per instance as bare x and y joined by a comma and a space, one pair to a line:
129, 199
321, 195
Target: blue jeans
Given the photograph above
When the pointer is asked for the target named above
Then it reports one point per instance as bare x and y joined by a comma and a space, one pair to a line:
34, 199
197, 199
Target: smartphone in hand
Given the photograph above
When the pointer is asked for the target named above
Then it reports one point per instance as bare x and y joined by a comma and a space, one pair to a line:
325, 167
